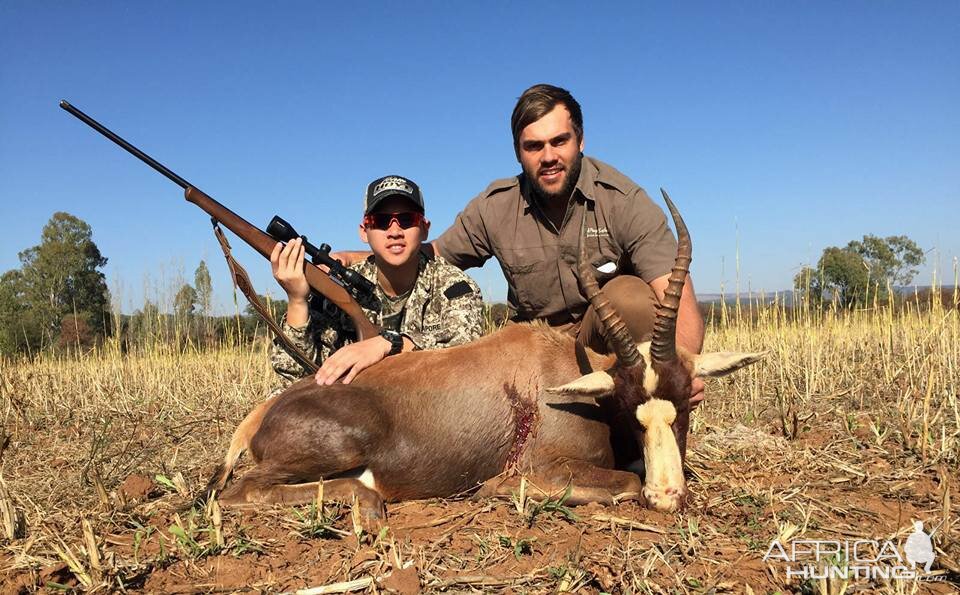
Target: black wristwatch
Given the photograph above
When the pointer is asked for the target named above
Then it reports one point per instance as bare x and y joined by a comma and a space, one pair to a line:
396, 341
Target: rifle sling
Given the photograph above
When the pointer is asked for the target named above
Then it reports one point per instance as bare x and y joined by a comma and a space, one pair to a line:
241, 280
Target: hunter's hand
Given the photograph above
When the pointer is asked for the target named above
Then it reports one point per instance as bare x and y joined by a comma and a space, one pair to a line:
697, 392
287, 264
352, 359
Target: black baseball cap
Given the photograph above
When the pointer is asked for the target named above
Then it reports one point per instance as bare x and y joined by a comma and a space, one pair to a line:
388, 186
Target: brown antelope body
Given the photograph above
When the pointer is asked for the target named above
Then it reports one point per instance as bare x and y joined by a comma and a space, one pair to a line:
527, 399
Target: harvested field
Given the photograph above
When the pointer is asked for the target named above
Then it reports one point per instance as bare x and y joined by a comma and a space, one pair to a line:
849, 430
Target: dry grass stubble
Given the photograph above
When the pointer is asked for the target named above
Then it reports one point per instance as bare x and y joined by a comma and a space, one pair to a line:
849, 430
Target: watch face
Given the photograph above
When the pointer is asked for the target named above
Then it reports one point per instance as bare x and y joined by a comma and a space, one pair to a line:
396, 341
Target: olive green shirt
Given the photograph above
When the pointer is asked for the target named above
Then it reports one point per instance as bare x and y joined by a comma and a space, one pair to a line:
626, 233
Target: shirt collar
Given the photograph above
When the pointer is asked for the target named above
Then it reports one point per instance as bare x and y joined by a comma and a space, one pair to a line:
587, 180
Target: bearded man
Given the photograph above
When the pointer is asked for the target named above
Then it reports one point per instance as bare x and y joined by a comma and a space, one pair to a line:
531, 224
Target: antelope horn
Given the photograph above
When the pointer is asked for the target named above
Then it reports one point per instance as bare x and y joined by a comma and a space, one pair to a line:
663, 347
617, 335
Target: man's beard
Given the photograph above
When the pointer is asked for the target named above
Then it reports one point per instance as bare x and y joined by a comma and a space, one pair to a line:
573, 175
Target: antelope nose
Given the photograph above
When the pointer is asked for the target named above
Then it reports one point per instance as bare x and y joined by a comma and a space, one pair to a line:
665, 498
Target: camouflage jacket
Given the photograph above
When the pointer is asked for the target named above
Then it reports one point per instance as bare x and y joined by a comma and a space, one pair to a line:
444, 309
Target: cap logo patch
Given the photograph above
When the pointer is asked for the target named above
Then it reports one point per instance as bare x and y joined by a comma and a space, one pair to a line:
393, 183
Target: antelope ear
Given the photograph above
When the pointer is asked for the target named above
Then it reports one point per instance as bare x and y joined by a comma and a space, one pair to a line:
595, 384
721, 363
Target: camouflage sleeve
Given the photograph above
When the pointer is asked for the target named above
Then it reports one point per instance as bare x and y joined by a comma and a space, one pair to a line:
287, 368
461, 313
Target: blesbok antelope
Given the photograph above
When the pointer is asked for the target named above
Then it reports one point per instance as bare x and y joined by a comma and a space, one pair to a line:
527, 399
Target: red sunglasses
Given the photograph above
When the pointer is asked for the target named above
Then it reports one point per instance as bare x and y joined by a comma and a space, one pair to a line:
383, 221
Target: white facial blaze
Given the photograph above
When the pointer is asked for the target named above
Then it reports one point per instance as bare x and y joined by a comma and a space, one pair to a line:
664, 486
650, 377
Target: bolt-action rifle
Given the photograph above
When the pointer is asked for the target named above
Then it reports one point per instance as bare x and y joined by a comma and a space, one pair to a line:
260, 241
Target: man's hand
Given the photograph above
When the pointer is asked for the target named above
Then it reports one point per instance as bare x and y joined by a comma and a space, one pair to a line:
696, 392
352, 359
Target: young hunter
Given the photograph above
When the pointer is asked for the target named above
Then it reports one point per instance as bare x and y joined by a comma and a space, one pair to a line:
424, 302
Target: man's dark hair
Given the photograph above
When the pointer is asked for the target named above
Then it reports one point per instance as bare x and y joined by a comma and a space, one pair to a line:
535, 103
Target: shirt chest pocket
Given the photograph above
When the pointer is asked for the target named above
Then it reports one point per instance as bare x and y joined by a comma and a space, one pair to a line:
605, 256
532, 275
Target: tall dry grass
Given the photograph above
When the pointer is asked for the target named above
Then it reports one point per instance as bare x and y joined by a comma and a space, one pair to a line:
887, 377
897, 364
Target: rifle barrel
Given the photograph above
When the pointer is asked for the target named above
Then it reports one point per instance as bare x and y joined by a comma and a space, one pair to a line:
127, 146
257, 239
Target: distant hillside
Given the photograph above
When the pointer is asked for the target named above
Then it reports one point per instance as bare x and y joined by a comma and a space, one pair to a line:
787, 296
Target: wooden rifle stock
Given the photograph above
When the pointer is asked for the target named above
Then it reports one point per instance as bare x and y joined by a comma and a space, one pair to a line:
257, 239
264, 244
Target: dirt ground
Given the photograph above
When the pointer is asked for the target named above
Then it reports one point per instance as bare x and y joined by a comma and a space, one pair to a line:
748, 486
848, 431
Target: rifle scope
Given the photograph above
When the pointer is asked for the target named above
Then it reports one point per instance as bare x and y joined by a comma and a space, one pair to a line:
282, 231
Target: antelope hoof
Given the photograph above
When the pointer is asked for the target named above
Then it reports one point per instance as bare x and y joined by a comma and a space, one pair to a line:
373, 514
371, 518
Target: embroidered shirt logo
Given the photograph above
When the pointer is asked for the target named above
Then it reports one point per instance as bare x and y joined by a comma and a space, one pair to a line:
597, 232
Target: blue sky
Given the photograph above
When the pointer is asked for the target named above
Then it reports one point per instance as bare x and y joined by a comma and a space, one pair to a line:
778, 128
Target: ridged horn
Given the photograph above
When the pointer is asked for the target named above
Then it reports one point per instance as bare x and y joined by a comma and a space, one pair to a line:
617, 334
663, 347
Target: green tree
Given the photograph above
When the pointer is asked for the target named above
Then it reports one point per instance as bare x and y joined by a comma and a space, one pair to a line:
253, 325
892, 260
843, 275
807, 285
204, 289
144, 327
184, 303
862, 269
17, 331
204, 301
277, 308
57, 278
